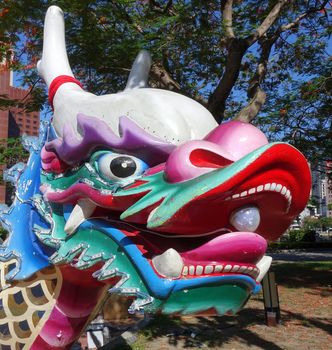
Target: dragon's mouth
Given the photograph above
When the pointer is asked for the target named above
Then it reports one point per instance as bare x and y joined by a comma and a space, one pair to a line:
217, 254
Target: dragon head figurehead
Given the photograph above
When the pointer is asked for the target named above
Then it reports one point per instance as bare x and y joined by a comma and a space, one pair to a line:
142, 193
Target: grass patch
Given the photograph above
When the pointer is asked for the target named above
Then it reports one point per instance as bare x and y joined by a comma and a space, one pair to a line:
303, 274
276, 246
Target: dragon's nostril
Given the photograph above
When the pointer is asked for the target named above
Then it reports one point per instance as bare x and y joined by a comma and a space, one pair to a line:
195, 158
204, 158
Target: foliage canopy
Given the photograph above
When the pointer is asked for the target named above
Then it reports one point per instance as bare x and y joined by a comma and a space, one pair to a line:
262, 61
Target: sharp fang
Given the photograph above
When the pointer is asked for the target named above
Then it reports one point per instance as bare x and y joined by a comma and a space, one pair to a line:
82, 211
263, 265
168, 264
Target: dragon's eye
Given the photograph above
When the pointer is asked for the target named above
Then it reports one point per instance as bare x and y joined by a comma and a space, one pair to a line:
117, 167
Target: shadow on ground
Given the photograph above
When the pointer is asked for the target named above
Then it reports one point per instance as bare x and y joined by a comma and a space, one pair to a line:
248, 328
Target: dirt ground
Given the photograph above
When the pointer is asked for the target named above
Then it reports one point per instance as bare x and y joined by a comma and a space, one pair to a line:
305, 292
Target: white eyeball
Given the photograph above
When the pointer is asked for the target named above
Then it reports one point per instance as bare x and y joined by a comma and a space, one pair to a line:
118, 167
246, 219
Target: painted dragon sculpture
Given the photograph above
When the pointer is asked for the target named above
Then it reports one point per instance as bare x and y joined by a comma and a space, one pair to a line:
138, 193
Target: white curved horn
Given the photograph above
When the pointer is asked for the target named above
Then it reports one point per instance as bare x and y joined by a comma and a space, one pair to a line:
139, 74
54, 60
164, 114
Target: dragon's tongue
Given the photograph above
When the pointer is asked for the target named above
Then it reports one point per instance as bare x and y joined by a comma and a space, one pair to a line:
245, 247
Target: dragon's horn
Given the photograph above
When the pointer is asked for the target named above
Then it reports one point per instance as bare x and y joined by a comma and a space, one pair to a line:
54, 60
139, 74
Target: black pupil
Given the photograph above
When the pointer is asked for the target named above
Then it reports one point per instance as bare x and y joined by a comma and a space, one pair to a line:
123, 166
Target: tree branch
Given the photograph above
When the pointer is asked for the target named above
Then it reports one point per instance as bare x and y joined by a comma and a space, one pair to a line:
200, 100
267, 23
156, 7
227, 15
255, 93
217, 100
236, 48
159, 73
298, 19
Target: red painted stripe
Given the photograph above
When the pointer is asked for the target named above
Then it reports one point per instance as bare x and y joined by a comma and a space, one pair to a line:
57, 82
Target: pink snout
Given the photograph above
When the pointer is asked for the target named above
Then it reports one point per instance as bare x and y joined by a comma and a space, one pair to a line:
226, 144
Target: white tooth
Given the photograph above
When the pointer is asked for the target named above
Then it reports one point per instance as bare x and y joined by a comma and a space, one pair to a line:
244, 193
252, 190
82, 211
185, 271
208, 269
228, 268
284, 190
260, 188
243, 268
288, 193
199, 270
218, 268
168, 264
267, 187
250, 269
228, 198
235, 268
191, 270
263, 266
278, 188
273, 186
236, 195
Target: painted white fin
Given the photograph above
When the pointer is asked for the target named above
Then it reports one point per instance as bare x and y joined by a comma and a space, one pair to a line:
139, 74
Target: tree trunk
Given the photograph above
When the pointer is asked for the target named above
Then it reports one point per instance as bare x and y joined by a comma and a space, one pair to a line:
217, 100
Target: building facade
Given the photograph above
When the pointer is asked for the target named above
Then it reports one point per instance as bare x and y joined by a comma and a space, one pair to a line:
327, 187
322, 188
14, 121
